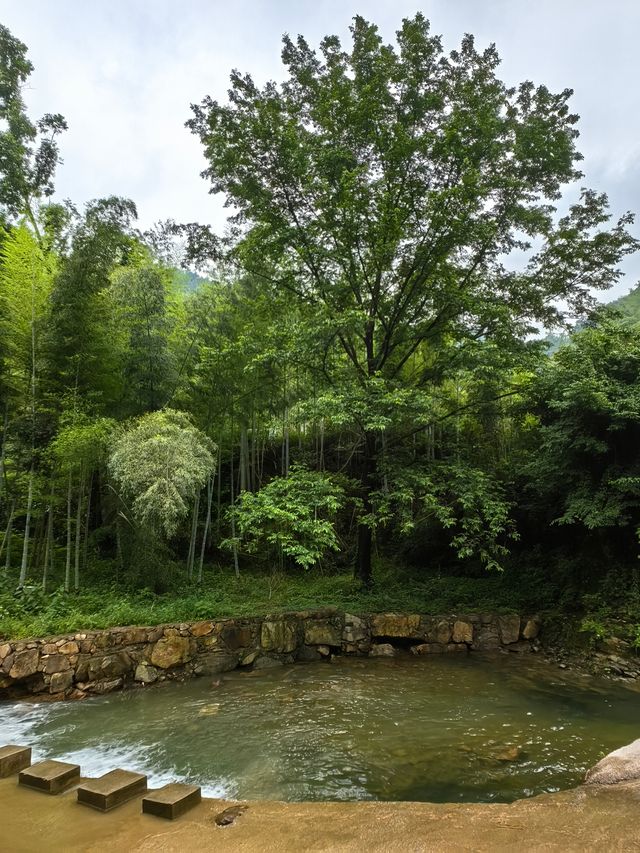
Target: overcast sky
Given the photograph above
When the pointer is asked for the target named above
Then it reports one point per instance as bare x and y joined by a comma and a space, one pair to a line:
124, 72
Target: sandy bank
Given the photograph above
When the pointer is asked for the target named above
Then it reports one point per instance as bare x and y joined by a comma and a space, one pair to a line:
596, 818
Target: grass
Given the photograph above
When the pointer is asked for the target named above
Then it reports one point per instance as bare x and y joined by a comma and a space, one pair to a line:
104, 605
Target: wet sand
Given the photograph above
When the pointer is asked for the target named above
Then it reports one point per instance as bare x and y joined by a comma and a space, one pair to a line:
588, 818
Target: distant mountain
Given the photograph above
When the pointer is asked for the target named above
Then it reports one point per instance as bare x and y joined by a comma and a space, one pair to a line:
629, 305
187, 280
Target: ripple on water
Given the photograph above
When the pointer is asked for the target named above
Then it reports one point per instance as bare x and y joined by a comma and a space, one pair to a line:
473, 729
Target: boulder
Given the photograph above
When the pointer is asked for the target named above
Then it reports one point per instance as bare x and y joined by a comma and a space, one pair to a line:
201, 629
69, 648
146, 673
322, 632
134, 636
486, 638
382, 650
428, 649
249, 658
279, 635
170, 651
267, 663
216, 661
309, 653
24, 664
462, 632
509, 629
236, 636
443, 632
355, 630
619, 766
508, 754
109, 667
5, 649
55, 663
395, 625
531, 629
101, 687
60, 681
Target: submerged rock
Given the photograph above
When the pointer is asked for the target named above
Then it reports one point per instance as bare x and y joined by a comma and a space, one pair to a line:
382, 650
511, 753
266, 662
146, 673
619, 766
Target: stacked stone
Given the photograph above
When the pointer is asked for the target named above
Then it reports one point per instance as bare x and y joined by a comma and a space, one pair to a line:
91, 662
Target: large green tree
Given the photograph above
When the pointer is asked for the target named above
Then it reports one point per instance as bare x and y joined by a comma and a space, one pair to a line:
387, 188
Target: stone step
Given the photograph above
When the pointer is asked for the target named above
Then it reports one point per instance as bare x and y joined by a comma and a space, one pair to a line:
172, 801
50, 776
13, 758
112, 789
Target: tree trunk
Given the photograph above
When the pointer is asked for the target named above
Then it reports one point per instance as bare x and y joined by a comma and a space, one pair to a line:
39, 543
363, 570
27, 525
48, 550
363, 557
192, 540
5, 425
254, 452
7, 563
76, 573
120, 563
244, 460
207, 522
85, 547
219, 495
6, 542
233, 518
67, 568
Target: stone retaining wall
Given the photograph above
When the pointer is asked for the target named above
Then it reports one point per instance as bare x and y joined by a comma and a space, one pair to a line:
76, 665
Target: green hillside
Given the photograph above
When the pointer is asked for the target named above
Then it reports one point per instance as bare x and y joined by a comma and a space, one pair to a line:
629, 304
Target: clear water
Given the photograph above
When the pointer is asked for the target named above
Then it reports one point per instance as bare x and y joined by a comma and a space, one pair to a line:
439, 729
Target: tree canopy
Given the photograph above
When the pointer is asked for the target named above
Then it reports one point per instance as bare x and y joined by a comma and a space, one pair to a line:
352, 379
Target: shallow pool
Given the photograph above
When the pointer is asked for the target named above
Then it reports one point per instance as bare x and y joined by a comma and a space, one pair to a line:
437, 729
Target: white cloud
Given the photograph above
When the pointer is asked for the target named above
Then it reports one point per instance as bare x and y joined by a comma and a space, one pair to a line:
124, 73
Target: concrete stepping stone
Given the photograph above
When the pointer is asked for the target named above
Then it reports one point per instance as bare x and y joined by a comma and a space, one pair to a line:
112, 789
13, 758
172, 801
50, 776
